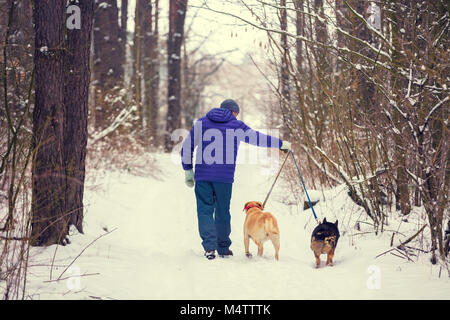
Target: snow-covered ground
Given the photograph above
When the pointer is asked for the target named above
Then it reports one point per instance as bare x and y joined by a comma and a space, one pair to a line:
154, 250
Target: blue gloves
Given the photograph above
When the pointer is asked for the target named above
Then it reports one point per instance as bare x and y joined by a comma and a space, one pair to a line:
189, 179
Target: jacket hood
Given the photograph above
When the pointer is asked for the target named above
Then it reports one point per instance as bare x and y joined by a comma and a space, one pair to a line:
220, 115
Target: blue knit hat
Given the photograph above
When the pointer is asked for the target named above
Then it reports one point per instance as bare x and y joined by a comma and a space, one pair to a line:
230, 105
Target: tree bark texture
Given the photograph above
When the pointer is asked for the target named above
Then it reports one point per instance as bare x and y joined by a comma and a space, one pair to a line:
77, 76
108, 65
49, 225
177, 14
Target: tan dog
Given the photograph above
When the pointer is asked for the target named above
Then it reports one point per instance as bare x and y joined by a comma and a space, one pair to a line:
260, 226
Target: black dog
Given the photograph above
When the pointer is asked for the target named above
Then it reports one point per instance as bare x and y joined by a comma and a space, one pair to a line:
324, 239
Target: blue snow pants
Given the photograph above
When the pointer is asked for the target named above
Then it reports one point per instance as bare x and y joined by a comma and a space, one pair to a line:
213, 212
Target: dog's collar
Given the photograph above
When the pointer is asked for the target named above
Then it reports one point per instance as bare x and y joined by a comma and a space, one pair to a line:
252, 206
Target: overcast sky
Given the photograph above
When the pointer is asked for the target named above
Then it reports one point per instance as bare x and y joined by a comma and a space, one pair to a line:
224, 32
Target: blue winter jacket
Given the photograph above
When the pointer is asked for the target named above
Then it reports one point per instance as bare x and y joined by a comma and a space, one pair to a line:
217, 136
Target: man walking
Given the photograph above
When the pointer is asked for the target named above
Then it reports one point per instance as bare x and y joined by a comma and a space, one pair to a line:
217, 136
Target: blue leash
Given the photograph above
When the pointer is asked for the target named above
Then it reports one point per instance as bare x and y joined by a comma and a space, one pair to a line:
304, 187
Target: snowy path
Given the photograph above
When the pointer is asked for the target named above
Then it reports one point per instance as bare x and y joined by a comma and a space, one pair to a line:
155, 253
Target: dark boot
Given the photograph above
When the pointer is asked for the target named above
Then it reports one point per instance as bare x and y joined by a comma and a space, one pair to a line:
227, 254
210, 255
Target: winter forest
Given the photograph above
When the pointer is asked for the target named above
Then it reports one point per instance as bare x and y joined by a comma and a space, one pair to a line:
93, 94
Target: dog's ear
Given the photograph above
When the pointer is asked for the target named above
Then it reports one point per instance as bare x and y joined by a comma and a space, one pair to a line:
260, 205
245, 205
324, 220
336, 223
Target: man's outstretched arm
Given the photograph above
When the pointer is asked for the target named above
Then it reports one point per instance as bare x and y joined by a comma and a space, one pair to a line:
260, 139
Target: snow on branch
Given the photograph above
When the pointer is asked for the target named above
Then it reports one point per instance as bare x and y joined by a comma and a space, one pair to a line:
444, 29
377, 172
427, 118
118, 121
367, 44
368, 25
349, 181
405, 117
420, 182
338, 168
320, 167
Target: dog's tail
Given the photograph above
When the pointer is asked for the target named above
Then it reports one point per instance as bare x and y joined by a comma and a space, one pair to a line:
271, 226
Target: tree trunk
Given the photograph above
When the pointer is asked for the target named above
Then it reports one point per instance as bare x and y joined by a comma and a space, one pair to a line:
154, 94
177, 14
284, 70
402, 192
123, 33
108, 66
365, 87
148, 69
49, 225
123, 26
138, 47
299, 26
77, 76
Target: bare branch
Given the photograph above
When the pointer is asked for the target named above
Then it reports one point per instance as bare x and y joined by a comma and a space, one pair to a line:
92, 242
